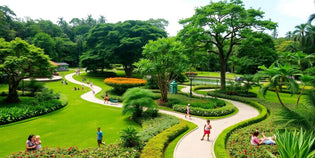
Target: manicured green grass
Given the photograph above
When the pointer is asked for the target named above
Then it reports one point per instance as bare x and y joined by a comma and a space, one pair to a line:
73, 125
169, 151
217, 74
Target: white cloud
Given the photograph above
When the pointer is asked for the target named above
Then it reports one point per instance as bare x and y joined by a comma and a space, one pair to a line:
301, 9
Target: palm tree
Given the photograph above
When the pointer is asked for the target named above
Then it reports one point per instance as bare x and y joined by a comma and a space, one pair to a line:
311, 18
299, 34
136, 99
301, 58
278, 76
305, 80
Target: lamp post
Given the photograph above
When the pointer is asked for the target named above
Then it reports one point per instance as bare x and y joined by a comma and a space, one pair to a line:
191, 76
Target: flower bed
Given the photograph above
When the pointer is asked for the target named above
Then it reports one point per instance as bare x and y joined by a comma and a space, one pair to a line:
121, 84
113, 151
155, 147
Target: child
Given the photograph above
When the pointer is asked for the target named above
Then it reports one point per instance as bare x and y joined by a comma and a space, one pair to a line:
188, 111
38, 142
206, 129
106, 98
99, 137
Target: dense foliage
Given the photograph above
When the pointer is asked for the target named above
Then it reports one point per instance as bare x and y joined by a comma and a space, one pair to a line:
24, 111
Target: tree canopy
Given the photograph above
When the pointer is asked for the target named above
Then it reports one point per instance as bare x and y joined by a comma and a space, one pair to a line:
221, 24
119, 43
164, 60
19, 60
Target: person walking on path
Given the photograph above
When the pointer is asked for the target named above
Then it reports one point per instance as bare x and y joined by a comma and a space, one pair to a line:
82, 87
188, 111
100, 137
106, 98
206, 129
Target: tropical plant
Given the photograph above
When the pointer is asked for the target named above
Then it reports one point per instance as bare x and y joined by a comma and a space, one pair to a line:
248, 82
278, 76
305, 80
297, 144
135, 100
129, 137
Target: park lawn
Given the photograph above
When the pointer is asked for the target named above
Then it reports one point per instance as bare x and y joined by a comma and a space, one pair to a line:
73, 125
217, 74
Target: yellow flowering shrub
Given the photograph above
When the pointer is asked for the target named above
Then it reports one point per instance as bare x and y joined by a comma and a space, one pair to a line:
121, 84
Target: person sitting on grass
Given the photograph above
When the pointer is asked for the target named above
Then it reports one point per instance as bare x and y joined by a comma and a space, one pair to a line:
265, 140
30, 143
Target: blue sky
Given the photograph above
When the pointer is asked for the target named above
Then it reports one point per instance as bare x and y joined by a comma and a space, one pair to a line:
287, 13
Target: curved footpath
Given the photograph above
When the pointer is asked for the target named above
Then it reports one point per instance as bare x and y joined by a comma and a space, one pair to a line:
190, 145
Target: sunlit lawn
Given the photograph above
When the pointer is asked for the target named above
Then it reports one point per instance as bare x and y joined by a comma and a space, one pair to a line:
73, 125
217, 74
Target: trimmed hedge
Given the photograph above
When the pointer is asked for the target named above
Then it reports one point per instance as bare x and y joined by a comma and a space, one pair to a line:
155, 147
220, 144
227, 109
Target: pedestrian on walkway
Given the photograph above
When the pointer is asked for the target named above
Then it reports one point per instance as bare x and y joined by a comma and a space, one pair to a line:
82, 87
106, 98
66, 82
99, 137
206, 129
188, 111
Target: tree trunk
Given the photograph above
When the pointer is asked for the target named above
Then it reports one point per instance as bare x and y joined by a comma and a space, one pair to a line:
222, 73
277, 92
164, 91
13, 95
128, 70
298, 100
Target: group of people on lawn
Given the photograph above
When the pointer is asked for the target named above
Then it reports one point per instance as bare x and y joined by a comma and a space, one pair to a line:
33, 142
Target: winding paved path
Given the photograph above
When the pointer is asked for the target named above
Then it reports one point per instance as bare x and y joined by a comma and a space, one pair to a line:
190, 145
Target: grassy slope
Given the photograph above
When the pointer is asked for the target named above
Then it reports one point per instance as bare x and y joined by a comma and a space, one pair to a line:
73, 125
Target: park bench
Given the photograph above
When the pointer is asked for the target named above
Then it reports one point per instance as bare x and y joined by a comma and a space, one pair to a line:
113, 100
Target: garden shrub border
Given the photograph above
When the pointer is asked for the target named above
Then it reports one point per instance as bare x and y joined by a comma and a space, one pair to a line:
35, 112
227, 109
220, 143
155, 147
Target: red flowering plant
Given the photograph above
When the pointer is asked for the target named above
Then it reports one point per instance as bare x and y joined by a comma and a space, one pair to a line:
113, 151
239, 143
121, 84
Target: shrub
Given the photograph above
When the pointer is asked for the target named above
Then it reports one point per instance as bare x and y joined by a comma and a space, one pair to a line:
228, 109
129, 137
46, 95
136, 99
31, 86
121, 84
155, 147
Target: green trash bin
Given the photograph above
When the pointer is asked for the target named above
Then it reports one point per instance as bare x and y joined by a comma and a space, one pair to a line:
173, 87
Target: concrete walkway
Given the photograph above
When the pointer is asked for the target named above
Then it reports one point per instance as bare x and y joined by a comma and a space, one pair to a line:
190, 146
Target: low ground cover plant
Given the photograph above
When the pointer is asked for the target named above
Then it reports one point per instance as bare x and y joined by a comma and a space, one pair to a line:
42, 103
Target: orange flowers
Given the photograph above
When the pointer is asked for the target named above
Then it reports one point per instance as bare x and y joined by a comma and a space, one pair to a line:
125, 81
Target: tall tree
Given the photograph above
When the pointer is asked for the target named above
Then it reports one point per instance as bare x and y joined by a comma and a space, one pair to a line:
119, 43
299, 34
20, 60
222, 23
163, 60
47, 43
6, 21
